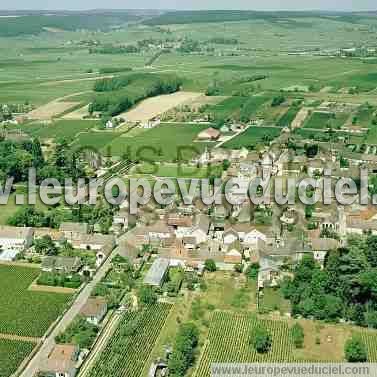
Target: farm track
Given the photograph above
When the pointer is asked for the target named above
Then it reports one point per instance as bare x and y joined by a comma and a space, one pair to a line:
20, 338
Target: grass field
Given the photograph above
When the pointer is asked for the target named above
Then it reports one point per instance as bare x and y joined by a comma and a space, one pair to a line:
253, 136
26, 313
161, 143
12, 353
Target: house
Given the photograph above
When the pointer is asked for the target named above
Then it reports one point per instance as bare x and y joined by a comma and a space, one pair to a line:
156, 275
94, 310
61, 362
122, 218
269, 273
73, 230
56, 235
200, 231
210, 134
14, 240
321, 246
233, 254
252, 238
95, 241
230, 236
159, 233
65, 265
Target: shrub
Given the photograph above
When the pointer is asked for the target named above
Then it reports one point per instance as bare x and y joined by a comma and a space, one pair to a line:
261, 339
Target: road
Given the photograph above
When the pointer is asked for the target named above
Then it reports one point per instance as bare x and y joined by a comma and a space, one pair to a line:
48, 344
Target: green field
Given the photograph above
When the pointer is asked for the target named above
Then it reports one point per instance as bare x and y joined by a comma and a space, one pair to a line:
161, 143
253, 136
178, 171
12, 353
288, 117
96, 140
128, 349
58, 129
26, 313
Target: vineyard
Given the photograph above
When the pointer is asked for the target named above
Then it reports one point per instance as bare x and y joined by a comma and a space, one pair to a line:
26, 313
370, 339
11, 355
228, 341
133, 341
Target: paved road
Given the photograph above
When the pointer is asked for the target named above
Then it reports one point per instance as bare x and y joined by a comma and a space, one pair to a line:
49, 343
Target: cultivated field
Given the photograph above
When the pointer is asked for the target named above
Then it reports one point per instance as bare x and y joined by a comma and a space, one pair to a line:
128, 349
253, 136
51, 110
155, 106
12, 353
24, 312
161, 143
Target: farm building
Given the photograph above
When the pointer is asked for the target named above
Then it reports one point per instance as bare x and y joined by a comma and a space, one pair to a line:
61, 264
157, 273
13, 240
73, 230
94, 310
61, 361
209, 134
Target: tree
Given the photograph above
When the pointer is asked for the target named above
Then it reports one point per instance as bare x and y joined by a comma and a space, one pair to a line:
298, 335
147, 295
261, 339
210, 265
252, 271
355, 350
226, 165
238, 268
45, 245
184, 350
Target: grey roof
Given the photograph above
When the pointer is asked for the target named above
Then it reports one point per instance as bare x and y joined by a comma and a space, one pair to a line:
66, 263
74, 227
12, 232
203, 223
156, 273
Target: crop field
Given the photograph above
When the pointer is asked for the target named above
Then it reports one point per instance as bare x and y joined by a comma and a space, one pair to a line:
286, 119
228, 108
158, 105
318, 120
58, 129
161, 143
130, 346
51, 110
12, 353
26, 313
96, 140
178, 171
228, 341
253, 136
323, 120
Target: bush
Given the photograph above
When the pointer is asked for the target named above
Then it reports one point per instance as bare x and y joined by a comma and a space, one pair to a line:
298, 335
210, 265
355, 350
261, 339
184, 350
